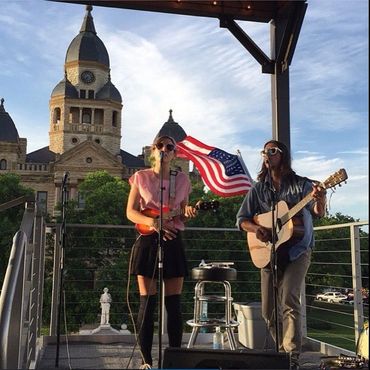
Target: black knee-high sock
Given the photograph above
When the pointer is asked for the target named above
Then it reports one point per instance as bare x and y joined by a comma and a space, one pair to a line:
145, 325
174, 320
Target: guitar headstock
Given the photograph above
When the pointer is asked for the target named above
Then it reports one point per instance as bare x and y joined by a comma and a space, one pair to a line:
335, 179
205, 206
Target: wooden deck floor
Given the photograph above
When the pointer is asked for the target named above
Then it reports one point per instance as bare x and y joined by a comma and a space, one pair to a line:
87, 355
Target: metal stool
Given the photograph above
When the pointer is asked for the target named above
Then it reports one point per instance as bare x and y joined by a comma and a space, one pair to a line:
215, 273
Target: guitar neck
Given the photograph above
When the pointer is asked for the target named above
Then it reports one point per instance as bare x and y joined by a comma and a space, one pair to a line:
176, 212
181, 211
294, 210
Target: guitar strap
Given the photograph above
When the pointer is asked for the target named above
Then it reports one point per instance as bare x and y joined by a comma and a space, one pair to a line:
172, 189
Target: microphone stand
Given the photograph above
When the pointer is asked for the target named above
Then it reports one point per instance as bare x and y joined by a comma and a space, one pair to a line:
273, 257
160, 264
61, 268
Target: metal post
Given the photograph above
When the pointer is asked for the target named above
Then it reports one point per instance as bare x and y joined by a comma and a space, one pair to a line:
56, 277
356, 280
279, 90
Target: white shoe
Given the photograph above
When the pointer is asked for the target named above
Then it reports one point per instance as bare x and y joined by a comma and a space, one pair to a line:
145, 366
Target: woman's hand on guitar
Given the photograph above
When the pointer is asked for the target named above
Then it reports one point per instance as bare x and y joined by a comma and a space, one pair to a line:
169, 231
263, 234
190, 212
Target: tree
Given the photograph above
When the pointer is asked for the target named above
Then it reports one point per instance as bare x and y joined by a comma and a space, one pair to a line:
94, 257
10, 219
97, 257
105, 199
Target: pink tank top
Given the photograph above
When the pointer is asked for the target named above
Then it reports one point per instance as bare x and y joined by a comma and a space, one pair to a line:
148, 184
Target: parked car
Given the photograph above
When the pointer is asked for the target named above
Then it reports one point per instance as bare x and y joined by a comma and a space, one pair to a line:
348, 300
350, 297
331, 297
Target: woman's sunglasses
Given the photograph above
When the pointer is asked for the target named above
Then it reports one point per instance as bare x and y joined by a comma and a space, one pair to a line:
271, 151
169, 147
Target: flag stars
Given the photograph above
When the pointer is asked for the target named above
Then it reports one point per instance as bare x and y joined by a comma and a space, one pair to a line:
230, 162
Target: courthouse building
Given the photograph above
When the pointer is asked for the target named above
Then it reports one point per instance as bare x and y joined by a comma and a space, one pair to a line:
85, 127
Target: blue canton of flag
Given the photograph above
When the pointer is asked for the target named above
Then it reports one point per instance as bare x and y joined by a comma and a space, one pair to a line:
229, 161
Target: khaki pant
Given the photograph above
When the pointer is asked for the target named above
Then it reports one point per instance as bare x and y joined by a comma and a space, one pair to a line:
289, 290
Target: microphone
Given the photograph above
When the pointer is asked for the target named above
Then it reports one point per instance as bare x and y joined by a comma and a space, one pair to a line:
266, 159
65, 177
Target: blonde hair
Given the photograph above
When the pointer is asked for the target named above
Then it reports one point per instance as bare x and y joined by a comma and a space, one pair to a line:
156, 140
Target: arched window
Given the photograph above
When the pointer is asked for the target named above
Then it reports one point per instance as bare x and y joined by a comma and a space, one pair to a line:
86, 115
42, 201
56, 115
74, 115
99, 116
115, 119
3, 164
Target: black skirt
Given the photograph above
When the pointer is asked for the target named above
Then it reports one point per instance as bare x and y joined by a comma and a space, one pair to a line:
145, 257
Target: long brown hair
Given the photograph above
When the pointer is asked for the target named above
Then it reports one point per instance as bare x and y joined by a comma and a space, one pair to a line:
286, 162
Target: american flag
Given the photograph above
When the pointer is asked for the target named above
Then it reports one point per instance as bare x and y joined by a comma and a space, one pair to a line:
222, 172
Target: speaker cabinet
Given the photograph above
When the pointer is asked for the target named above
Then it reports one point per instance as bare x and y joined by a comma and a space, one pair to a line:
185, 358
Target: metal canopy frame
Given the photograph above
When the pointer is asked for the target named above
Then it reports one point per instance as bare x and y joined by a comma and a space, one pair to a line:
285, 18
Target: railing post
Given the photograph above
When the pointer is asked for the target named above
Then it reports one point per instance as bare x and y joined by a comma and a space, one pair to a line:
356, 279
56, 279
11, 305
37, 274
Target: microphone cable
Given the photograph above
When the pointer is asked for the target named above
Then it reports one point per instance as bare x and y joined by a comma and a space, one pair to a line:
129, 305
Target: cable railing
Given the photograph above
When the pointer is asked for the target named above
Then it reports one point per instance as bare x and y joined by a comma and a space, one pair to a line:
97, 256
340, 267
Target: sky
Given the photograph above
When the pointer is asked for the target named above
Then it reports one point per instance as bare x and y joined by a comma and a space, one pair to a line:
215, 88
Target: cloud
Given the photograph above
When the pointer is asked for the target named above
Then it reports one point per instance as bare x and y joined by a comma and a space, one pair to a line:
214, 86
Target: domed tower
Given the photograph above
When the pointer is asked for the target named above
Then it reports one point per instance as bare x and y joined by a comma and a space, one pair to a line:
13, 148
174, 130
85, 105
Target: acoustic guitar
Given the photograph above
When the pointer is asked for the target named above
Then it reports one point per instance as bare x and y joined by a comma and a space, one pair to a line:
167, 214
285, 226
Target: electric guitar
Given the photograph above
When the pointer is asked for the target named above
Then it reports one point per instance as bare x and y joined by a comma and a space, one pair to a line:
167, 214
285, 225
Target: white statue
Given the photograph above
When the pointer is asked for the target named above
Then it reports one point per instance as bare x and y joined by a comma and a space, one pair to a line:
105, 301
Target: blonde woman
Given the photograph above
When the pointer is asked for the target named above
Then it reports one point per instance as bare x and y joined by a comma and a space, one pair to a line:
144, 196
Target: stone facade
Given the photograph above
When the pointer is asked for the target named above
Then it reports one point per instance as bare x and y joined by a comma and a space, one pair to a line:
84, 128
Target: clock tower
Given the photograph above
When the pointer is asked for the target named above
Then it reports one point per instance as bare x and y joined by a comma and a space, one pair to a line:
85, 105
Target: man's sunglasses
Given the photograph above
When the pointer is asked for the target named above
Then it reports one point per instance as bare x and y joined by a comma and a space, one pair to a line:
169, 147
271, 151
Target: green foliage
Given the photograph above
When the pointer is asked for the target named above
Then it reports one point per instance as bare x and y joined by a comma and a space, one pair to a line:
336, 219
223, 217
95, 257
10, 187
10, 219
105, 199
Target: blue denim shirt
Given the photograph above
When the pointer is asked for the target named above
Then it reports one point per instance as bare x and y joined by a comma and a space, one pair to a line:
258, 200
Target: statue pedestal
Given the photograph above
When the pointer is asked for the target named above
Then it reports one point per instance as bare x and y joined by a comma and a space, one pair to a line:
105, 329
